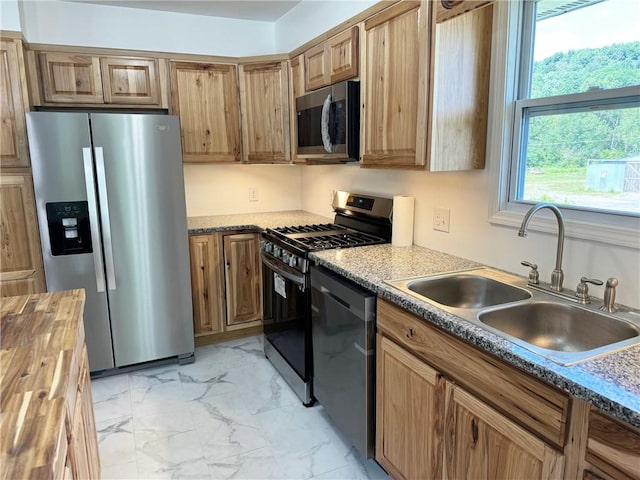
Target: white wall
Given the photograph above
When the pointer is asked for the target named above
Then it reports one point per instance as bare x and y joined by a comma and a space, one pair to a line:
311, 18
471, 235
224, 189
71, 23
9, 15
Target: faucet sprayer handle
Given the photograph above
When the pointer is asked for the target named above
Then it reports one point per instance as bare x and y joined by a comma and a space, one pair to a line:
534, 276
582, 290
609, 304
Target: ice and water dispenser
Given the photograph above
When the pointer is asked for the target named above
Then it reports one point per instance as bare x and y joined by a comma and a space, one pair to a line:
69, 229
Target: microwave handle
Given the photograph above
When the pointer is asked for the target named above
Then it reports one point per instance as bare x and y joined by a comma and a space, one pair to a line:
324, 125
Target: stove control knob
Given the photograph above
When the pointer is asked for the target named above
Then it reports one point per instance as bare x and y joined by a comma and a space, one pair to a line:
267, 246
285, 257
293, 261
277, 251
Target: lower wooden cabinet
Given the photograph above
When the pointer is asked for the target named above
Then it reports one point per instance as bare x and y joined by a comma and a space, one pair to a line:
408, 417
243, 281
482, 443
430, 426
21, 270
226, 285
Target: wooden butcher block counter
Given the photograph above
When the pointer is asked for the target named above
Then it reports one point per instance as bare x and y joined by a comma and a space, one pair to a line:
47, 427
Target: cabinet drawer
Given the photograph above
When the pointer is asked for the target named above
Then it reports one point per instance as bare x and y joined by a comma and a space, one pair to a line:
537, 406
613, 447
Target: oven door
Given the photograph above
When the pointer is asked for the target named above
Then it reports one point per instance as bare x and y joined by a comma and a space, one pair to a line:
287, 314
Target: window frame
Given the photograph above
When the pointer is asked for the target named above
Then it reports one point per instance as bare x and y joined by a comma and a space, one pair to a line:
512, 41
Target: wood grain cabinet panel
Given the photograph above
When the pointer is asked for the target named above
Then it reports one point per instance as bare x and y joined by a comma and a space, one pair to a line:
533, 404
207, 283
21, 270
613, 447
13, 104
130, 80
244, 295
460, 91
333, 60
343, 55
395, 84
316, 67
296, 89
264, 100
408, 414
69, 78
206, 97
481, 443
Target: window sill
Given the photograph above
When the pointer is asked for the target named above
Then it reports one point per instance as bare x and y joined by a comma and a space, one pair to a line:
595, 232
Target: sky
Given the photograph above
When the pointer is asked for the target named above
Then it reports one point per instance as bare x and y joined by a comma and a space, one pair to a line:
599, 25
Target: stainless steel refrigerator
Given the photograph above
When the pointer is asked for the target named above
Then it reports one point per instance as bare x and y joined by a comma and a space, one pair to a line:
111, 210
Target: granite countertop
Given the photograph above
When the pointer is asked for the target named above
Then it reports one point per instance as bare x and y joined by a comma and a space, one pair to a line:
253, 221
611, 383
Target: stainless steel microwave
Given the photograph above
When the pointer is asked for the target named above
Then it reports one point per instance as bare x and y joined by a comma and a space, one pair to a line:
328, 122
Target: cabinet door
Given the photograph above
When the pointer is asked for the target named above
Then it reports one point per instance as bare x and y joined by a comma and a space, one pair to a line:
207, 283
264, 97
408, 414
296, 87
242, 259
316, 72
130, 80
395, 83
482, 443
13, 103
68, 78
205, 96
460, 91
21, 270
343, 56
613, 447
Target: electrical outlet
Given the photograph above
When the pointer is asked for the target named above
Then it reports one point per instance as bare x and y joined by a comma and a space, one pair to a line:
253, 194
441, 218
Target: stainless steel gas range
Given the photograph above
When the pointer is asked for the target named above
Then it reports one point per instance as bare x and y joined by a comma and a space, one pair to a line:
359, 220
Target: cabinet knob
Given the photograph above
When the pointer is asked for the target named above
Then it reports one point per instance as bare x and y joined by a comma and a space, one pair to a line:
410, 333
474, 430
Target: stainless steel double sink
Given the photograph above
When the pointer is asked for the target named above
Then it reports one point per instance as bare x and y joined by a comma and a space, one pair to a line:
545, 323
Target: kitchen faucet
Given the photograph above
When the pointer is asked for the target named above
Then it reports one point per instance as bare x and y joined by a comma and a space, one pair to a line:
557, 276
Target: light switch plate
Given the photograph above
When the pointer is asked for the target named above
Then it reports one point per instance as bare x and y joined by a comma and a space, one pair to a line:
253, 194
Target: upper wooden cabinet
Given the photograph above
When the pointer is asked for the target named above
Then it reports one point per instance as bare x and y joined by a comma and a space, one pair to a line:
21, 270
460, 90
68, 78
264, 100
395, 86
130, 80
243, 280
206, 98
332, 61
13, 103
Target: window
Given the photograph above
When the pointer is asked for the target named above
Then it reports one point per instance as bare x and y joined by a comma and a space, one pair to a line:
575, 133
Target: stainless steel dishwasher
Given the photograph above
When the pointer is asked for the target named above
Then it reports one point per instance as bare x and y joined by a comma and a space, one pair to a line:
343, 338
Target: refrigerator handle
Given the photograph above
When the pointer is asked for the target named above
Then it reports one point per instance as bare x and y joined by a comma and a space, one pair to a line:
104, 217
93, 218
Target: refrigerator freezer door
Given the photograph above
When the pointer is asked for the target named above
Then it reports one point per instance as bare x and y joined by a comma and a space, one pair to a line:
56, 143
150, 303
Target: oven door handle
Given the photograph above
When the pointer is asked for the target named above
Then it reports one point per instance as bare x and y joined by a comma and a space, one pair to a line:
297, 279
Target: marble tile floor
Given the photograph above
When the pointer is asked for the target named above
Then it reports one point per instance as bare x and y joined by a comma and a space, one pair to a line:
228, 415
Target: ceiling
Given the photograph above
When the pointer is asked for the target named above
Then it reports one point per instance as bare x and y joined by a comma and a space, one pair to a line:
261, 10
